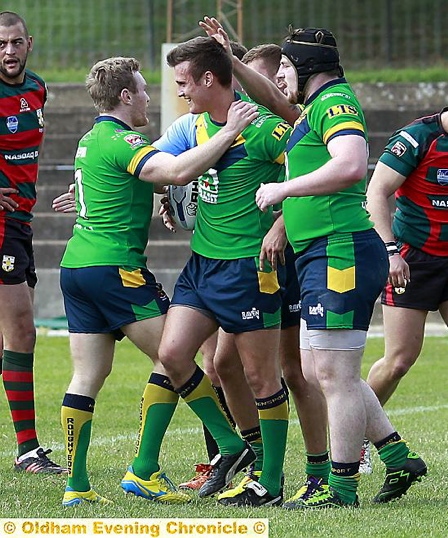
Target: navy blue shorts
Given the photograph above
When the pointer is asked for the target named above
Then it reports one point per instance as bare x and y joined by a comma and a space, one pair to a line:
428, 287
103, 299
340, 278
16, 253
291, 292
233, 292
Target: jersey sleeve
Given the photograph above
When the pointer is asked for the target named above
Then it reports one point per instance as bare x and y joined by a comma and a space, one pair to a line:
131, 151
179, 137
340, 115
402, 152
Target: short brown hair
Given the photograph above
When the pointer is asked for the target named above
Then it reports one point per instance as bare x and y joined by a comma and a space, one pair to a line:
204, 54
238, 49
269, 52
108, 78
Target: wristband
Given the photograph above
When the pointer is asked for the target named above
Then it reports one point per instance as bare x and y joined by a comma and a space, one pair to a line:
391, 248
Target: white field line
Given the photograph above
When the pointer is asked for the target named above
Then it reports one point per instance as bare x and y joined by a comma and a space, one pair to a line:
107, 441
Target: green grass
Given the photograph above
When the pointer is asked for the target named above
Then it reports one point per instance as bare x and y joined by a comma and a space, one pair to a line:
419, 411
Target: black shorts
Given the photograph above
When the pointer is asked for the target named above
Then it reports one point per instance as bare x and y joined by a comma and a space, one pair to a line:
428, 287
16, 253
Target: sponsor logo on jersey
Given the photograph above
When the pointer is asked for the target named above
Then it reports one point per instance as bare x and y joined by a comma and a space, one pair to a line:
12, 123
442, 176
134, 140
40, 118
317, 310
335, 94
294, 307
258, 122
280, 130
337, 110
24, 106
251, 314
409, 138
8, 263
208, 186
398, 149
22, 156
81, 152
441, 202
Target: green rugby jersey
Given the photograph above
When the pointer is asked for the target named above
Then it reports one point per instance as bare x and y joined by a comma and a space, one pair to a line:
331, 111
114, 207
229, 224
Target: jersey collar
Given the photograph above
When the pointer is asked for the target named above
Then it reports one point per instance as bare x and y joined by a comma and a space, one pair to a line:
105, 117
324, 87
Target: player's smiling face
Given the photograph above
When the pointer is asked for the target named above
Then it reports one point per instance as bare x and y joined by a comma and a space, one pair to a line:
14, 48
195, 93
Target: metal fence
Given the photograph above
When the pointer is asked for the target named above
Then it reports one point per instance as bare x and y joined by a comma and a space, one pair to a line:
370, 33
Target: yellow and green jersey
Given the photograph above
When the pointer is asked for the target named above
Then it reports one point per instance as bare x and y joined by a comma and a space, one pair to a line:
229, 224
114, 207
330, 112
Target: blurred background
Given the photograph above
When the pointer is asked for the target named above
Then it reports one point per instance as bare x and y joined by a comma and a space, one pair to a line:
74, 34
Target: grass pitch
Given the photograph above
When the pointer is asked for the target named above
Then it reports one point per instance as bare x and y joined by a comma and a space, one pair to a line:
419, 410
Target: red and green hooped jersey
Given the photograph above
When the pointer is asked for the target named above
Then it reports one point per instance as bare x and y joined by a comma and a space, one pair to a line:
330, 112
114, 207
419, 151
229, 225
21, 134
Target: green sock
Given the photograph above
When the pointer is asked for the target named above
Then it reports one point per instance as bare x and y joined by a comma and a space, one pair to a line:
157, 407
253, 437
76, 419
200, 396
394, 454
345, 486
318, 465
273, 412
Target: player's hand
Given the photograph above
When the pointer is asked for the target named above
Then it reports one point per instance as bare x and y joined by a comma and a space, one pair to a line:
6, 202
165, 212
240, 114
213, 28
65, 203
399, 273
273, 247
269, 194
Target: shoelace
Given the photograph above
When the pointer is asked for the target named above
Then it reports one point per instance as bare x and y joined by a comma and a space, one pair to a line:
311, 487
169, 483
46, 462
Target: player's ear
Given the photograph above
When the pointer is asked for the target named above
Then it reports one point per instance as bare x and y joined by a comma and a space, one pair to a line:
125, 96
30, 43
208, 78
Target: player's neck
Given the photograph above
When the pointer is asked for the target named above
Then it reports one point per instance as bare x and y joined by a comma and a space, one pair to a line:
220, 104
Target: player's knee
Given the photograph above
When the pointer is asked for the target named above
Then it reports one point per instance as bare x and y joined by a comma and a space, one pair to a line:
400, 368
294, 379
260, 382
171, 358
224, 369
22, 339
